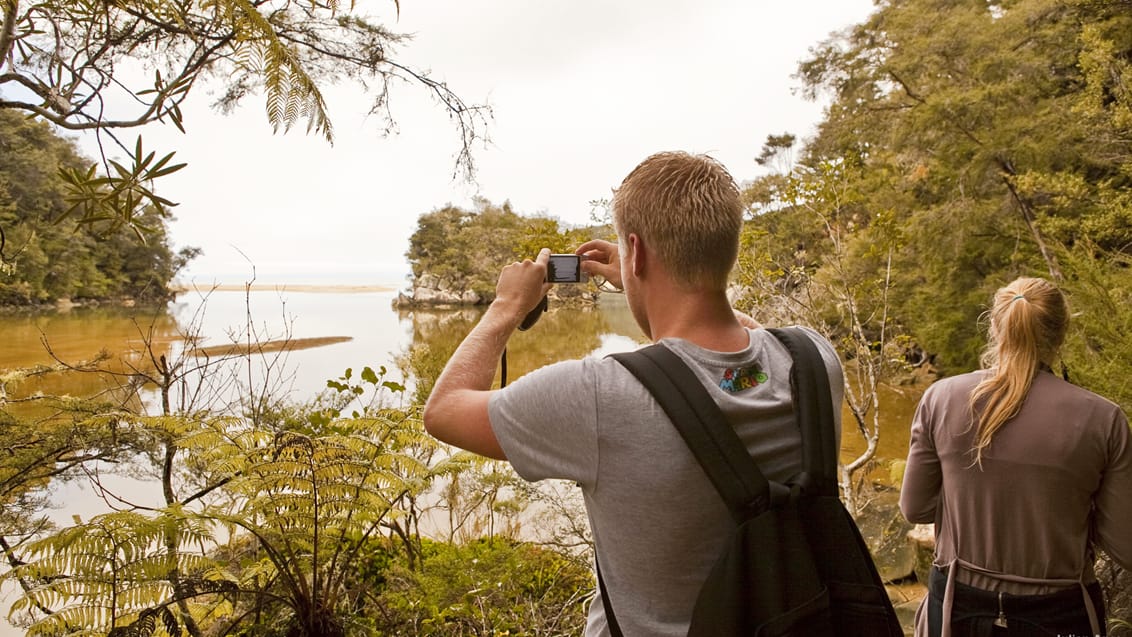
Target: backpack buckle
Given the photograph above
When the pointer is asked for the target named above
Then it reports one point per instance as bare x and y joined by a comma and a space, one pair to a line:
784, 494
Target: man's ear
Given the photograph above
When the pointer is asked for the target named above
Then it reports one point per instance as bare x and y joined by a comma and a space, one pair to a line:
637, 258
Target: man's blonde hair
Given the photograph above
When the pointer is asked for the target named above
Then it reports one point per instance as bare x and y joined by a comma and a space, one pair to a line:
688, 211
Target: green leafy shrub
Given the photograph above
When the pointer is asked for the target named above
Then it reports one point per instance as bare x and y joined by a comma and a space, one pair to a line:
488, 587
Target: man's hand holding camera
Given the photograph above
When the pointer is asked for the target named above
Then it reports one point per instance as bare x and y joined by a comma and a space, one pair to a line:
522, 285
602, 259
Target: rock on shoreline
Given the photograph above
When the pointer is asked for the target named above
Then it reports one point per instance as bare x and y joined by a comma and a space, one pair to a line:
431, 291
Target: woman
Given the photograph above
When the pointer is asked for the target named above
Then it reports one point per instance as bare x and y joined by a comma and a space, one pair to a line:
1022, 474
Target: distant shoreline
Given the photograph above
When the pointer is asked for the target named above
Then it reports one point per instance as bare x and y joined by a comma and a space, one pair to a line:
313, 288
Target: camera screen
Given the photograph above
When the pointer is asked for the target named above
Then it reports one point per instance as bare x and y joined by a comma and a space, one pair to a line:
564, 268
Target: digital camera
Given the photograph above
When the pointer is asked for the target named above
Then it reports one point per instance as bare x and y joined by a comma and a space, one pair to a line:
565, 268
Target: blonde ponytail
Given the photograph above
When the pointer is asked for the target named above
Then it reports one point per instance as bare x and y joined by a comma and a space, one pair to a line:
1028, 322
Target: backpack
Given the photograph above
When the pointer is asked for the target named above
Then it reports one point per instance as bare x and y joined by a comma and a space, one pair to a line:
796, 563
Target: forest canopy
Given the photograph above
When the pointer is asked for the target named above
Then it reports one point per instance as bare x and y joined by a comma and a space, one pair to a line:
50, 256
991, 141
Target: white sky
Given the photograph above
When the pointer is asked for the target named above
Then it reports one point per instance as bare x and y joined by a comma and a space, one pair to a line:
581, 92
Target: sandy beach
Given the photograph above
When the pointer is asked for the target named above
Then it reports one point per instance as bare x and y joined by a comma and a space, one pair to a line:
284, 287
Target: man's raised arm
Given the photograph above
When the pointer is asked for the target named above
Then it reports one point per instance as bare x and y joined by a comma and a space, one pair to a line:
456, 411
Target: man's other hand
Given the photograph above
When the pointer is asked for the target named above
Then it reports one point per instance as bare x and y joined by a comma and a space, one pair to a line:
601, 259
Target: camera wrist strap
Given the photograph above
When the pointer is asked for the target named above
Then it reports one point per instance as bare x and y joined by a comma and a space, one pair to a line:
503, 369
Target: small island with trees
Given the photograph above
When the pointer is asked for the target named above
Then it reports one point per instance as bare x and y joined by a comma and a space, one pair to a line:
456, 254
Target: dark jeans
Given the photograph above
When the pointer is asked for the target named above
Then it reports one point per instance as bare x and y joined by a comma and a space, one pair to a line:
974, 610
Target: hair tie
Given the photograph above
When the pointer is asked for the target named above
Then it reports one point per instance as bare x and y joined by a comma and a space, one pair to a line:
1019, 296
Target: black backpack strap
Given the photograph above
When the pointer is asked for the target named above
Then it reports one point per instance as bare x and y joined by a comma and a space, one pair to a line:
715, 444
704, 428
813, 408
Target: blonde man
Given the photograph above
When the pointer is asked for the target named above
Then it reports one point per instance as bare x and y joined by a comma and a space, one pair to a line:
658, 524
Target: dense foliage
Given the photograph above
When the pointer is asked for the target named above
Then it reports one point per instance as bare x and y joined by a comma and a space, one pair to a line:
47, 256
991, 141
491, 586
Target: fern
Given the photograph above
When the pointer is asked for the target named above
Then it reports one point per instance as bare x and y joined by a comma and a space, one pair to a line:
309, 501
107, 574
278, 524
290, 91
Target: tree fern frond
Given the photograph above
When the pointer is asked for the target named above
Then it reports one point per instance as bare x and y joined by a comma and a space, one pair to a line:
288, 88
74, 621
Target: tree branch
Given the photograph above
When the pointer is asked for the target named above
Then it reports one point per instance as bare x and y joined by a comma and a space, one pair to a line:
14, 562
1028, 216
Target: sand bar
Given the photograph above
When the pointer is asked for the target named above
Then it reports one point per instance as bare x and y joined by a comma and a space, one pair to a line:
313, 288
289, 344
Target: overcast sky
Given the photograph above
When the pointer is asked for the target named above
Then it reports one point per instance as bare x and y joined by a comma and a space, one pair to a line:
581, 91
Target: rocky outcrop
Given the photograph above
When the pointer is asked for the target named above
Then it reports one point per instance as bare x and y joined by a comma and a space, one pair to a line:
573, 295
1117, 584
437, 292
922, 537
433, 291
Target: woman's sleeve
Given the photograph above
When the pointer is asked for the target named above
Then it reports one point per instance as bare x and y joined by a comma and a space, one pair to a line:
919, 494
1114, 497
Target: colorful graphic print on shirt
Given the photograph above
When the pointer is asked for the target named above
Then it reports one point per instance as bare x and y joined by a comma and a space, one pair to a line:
736, 380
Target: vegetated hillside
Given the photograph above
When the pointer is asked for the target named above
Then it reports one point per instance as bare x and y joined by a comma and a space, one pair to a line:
950, 161
48, 255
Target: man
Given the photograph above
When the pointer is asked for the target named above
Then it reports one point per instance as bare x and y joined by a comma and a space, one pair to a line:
658, 523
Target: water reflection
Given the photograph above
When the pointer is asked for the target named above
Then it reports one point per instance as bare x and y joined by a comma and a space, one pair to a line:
137, 339
561, 334
898, 404
84, 352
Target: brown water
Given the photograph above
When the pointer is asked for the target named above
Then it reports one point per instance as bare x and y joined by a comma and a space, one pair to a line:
897, 406
76, 336
359, 329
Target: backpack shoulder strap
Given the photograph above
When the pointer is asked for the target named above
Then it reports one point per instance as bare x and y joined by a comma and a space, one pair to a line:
813, 407
704, 428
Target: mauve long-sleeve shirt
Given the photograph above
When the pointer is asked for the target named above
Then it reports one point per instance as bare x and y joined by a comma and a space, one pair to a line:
1056, 479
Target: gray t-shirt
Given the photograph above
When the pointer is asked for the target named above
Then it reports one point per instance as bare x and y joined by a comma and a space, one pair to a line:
658, 523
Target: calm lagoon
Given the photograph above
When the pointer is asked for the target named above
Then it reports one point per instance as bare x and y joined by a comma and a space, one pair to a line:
370, 330
362, 318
